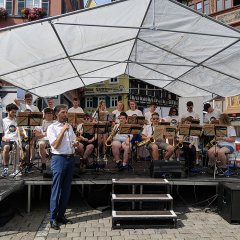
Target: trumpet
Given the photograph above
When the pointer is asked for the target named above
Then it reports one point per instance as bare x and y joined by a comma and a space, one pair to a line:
147, 141
109, 140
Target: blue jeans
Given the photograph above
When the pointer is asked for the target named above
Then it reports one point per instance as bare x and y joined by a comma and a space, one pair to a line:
62, 169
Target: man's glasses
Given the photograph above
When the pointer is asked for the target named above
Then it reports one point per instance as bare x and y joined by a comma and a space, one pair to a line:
155, 118
190, 107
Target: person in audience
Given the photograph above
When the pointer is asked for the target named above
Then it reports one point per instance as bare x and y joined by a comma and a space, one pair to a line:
224, 145
119, 109
28, 105
160, 143
133, 111
76, 106
148, 115
41, 135
210, 113
121, 142
10, 137
190, 112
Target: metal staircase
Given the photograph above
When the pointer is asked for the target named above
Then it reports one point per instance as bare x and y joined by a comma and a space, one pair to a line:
142, 203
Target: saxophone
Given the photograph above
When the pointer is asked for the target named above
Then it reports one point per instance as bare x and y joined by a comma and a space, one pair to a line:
145, 142
109, 140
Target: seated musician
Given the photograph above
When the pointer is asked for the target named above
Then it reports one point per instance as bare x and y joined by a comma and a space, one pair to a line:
41, 135
9, 137
118, 110
148, 133
133, 111
172, 117
224, 145
188, 147
88, 141
102, 137
121, 141
148, 115
210, 113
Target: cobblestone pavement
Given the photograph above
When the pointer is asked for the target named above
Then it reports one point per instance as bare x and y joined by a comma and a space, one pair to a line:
93, 224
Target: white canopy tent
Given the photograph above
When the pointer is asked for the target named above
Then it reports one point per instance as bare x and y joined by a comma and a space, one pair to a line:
158, 41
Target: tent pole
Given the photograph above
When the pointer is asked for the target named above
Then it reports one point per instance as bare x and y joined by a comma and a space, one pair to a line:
147, 28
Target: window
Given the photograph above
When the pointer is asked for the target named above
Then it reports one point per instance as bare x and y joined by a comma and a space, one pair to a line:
101, 99
219, 5
8, 5
113, 80
33, 4
206, 6
113, 101
236, 2
227, 4
89, 102
199, 7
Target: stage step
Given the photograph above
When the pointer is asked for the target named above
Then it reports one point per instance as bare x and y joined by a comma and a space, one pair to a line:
155, 207
140, 181
141, 197
143, 219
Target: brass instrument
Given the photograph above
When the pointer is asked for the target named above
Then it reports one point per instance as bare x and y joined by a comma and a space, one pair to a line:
109, 140
158, 134
179, 145
147, 141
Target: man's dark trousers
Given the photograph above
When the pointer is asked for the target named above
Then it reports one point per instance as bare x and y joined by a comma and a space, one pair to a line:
62, 168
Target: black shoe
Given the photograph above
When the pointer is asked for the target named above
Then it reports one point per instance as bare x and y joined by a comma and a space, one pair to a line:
64, 220
54, 225
44, 167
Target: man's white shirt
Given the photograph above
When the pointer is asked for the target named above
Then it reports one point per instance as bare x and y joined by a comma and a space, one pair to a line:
10, 128
65, 147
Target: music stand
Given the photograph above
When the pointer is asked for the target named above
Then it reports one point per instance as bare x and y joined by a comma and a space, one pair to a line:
29, 119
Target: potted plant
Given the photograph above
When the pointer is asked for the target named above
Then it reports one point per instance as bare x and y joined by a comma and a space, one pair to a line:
3, 13
33, 13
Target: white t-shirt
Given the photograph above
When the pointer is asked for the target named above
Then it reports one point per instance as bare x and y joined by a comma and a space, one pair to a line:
190, 114
216, 114
24, 107
44, 127
69, 136
148, 130
148, 116
10, 128
117, 114
172, 119
75, 110
135, 112
230, 133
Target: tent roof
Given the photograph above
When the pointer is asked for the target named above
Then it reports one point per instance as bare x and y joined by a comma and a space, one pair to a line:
158, 41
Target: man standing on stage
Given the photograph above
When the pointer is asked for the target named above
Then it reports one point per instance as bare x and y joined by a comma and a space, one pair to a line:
61, 138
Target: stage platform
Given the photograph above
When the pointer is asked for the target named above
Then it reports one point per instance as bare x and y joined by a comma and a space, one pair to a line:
103, 177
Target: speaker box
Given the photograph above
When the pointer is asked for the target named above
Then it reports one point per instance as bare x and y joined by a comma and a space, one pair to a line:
165, 169
228, 202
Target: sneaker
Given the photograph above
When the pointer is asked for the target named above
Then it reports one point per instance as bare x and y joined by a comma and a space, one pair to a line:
105, 158
5, 172
16, 173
